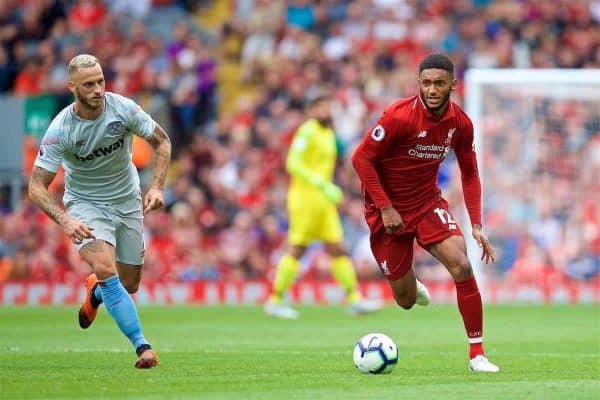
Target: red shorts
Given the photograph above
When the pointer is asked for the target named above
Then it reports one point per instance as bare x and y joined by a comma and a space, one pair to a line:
394, 252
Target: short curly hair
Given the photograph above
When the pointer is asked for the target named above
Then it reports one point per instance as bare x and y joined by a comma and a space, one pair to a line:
438, 61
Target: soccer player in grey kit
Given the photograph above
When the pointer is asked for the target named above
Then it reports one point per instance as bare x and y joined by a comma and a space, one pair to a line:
92, 139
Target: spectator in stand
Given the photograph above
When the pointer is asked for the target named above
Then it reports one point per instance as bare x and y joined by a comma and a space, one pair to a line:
364, 52
28, 82
85, 15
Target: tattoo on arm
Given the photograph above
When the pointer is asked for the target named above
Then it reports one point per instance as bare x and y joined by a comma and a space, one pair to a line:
162, 155
38, 193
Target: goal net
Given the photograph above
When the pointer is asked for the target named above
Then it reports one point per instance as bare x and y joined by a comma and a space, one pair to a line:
537, 135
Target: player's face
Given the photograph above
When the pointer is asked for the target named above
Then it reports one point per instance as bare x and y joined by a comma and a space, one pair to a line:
322, 112
88, 86
435, 86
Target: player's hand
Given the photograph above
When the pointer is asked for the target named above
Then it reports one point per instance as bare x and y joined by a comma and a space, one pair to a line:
77, 231
392, 221
487, 253
153, 200
332, 193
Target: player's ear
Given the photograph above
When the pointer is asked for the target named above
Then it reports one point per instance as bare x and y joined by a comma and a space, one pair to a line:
453, 84
71, 86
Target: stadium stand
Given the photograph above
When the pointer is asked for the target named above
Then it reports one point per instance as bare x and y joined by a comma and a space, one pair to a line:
228, 80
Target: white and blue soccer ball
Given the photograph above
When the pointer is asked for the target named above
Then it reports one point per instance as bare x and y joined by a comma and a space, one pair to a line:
375, 353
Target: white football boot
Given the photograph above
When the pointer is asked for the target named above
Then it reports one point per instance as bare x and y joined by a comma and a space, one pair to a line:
365, 306
423, 298
482, 364
280, 311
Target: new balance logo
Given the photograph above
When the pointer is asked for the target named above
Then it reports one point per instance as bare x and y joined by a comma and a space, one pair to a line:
384, 268
422, 134
102, 151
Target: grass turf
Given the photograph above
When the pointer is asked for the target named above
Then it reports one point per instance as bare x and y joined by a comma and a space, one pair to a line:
545, 352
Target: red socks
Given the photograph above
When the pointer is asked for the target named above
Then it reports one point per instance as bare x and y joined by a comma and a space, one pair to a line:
471, 309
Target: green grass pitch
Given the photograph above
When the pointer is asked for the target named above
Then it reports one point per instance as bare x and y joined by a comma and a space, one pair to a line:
545, 352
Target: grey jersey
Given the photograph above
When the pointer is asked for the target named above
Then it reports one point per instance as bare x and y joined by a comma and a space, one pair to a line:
96, 155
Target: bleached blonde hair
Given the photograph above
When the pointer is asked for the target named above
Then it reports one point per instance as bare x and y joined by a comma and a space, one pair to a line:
81, 61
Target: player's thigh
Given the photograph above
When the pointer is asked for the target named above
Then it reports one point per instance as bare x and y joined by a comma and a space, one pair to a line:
330, 226
100, 255
393, 253
130, 233
97, 216
452, 253
438, 232
303, 226
436, 225
335, 249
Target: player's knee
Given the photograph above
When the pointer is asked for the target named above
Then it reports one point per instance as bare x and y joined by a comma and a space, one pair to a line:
104, 270
131, 287
405, 300
296, 251
336, 249
462, 270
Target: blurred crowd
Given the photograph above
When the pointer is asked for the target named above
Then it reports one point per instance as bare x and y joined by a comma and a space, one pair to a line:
542, 163
225, 216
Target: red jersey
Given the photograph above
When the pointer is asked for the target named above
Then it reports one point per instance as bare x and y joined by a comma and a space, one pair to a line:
399, 158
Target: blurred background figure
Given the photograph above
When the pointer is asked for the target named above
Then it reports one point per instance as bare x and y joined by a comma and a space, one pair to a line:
312, 202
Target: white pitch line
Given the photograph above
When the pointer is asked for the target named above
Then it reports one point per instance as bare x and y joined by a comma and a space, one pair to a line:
288, 352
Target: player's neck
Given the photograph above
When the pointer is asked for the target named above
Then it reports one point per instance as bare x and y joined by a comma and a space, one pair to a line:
85, 112
325, 123
439, 111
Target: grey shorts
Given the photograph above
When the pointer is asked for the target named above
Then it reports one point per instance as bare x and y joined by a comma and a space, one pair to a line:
120, 224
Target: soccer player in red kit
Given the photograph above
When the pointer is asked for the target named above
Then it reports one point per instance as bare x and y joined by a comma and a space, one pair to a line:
398, 162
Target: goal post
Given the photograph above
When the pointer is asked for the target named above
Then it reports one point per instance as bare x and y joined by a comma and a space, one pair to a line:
537, 136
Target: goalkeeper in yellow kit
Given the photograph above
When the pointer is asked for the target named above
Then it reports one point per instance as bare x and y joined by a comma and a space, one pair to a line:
312, 202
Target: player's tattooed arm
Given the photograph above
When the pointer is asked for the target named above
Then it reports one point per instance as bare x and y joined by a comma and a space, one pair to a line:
38, 193
161, 145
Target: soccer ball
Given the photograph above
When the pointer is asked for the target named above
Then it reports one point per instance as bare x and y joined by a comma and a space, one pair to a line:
375, 353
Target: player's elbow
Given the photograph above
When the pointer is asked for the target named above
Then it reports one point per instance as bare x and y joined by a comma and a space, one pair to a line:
470, 179
164, 146
353, 158
357, 159
32, 189
167, 142
160, 142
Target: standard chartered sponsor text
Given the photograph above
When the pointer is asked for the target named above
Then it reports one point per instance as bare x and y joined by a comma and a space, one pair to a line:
425, 151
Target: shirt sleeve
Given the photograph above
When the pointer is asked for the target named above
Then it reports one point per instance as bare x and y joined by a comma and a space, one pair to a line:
467, 162
52, 149
137, 120
374, 146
